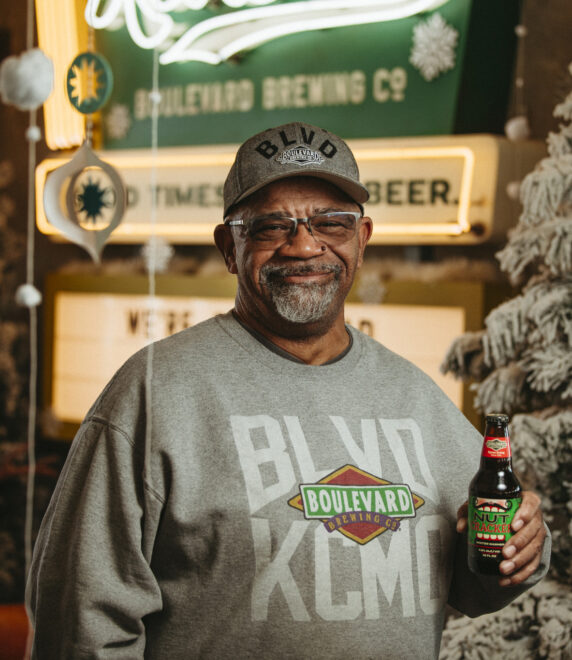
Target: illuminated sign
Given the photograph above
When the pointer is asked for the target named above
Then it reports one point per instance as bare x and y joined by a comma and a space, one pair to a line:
422, 190
379, 69
361, 68
214, 40
94, 333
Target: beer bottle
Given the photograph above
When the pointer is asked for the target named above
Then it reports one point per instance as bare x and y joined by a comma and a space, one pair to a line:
494, 497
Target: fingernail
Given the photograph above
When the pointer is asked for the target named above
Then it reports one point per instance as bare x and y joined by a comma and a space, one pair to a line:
509, 551
505, 582
461, 524
507, 567
517, 524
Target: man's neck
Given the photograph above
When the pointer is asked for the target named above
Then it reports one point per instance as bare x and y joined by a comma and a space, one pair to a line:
313, 348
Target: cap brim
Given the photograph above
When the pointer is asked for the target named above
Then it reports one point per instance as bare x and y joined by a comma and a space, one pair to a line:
355, 190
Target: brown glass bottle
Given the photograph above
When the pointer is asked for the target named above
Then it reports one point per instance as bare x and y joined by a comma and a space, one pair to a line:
494, 497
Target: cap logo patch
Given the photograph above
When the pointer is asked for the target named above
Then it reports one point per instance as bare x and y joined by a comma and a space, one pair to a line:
300, 155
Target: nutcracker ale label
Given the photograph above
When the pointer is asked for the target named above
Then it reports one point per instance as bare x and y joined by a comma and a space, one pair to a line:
490, 524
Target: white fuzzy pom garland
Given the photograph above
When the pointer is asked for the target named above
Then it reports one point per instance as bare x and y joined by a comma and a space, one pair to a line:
26, 80
28, 296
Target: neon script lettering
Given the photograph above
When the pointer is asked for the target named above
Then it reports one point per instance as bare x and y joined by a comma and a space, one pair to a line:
253, 22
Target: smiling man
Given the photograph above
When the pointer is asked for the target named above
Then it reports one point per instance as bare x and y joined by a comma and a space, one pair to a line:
295, 246
284, 486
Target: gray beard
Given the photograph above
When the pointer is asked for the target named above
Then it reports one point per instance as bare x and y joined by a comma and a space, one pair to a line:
300, 303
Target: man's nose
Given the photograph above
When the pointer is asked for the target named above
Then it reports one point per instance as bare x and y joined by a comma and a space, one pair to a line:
302, 243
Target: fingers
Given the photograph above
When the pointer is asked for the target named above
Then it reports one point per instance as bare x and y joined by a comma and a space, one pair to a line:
462, 517
528, 508
523, 551
521, 565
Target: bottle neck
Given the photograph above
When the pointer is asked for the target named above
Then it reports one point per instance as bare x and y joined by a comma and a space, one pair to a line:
496, 464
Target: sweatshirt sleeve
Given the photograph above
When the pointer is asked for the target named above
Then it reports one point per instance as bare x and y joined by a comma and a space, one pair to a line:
90, 584
475, 595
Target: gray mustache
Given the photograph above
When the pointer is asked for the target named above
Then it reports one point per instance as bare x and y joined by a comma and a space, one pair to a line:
272, 272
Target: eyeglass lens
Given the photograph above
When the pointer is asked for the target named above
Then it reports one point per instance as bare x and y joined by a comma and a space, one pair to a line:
332, 228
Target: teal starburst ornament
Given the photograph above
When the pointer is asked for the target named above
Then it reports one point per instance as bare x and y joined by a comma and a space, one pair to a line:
89, 82
93, 199
85, 199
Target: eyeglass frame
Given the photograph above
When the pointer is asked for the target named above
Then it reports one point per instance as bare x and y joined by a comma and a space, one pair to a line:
240, 222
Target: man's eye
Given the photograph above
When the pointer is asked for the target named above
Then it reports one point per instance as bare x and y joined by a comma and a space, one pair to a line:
327, 222
269, 228
332, 223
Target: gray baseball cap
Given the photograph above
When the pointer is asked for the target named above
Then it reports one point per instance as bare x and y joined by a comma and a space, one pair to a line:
294, 149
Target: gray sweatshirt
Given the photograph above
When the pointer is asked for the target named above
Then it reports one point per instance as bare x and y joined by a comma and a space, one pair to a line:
249, 506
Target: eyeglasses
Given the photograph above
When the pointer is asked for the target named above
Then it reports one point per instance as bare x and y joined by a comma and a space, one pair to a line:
332, 228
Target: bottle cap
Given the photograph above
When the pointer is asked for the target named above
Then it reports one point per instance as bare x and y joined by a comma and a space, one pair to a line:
499, 418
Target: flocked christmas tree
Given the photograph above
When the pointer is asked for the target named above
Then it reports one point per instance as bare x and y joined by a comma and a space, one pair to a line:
522, 365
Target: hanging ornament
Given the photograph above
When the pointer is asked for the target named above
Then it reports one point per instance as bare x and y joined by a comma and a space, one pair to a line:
85, 199
26, 80
89, 82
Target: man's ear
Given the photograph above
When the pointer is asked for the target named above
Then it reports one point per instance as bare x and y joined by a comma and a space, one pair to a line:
364, 234
224, 241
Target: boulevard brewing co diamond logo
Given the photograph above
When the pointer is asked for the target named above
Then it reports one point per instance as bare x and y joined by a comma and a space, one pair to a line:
496, 444
357, 504
496, 448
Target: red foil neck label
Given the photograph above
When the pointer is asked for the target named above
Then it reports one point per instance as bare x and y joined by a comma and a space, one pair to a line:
496, 447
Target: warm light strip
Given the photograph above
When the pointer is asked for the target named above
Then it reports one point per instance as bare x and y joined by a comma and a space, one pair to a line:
62, 34
225, 159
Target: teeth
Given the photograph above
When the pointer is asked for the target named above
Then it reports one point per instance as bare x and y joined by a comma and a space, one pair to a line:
490, 537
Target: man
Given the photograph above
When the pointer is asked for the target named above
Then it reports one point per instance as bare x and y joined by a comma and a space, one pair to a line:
283, 486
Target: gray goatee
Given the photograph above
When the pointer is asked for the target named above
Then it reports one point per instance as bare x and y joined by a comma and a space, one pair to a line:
300, 303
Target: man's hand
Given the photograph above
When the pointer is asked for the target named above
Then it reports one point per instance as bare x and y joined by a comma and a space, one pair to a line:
521, 552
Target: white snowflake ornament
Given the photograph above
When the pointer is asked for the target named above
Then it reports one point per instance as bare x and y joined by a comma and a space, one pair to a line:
157, 254
118, 121
434, 44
